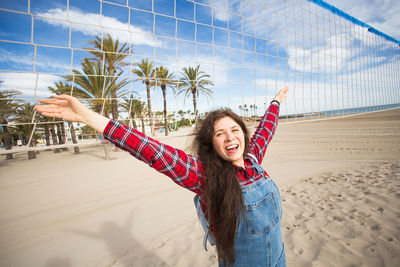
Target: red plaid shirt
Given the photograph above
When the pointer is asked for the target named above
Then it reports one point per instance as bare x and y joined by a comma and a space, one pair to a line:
184, 169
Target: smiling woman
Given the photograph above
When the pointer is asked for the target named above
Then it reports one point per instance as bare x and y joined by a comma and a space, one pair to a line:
239, 200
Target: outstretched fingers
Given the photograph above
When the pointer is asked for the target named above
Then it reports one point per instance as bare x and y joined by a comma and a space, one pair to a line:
52, 101
48, 108
53, 114
285, 90
65, 97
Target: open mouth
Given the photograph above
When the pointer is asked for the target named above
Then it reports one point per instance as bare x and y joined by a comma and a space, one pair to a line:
232, 148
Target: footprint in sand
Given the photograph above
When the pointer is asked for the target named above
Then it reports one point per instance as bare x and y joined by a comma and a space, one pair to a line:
299, 251
365, 200
298, 217
212, 258
376, 227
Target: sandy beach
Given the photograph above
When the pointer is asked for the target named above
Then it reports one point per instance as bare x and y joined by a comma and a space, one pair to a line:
339, 181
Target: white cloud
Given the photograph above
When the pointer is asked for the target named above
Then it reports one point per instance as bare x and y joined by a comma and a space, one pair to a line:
45, 61
318, 59
95, 24
6, 56
26, 83
219, 10
220, 15
382, 15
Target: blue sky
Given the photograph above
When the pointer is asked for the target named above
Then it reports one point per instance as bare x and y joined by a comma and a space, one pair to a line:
250, 48
382, 15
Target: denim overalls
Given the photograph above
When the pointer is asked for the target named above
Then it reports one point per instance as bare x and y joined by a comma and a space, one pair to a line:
258, 241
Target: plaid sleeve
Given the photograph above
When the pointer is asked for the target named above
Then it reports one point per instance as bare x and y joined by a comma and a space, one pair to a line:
264, 132
184, 169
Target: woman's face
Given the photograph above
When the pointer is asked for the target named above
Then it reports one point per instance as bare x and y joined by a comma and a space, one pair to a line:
228, 140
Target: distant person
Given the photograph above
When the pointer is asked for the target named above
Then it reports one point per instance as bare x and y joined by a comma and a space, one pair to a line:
239, 200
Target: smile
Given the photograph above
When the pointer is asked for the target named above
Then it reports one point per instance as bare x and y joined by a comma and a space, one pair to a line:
232, 148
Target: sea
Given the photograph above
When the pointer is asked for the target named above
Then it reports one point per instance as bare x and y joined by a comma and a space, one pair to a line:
346, 111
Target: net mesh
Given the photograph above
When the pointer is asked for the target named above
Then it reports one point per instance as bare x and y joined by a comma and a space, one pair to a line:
245, 51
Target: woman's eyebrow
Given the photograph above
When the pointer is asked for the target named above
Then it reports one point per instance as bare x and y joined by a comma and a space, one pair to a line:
235, 126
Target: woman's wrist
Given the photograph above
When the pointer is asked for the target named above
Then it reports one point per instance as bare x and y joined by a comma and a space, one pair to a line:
96, 121
275, 101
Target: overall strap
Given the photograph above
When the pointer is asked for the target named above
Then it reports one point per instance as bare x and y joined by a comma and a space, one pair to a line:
254, 160
253, 157
204, 223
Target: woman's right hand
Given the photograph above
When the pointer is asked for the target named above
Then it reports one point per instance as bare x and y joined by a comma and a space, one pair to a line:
65, 107
71, 109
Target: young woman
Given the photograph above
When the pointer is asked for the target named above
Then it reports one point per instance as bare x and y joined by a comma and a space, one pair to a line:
239, 200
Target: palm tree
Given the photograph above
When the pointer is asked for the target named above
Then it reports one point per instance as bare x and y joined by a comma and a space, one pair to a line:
146, 73
241, 109
94, 84
195, 82
113, 55
245, 110
9, 107
128, 105
253, 108
165, 79
135, 108
181, 113
46, 126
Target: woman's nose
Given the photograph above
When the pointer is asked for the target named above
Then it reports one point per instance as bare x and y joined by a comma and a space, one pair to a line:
228, 137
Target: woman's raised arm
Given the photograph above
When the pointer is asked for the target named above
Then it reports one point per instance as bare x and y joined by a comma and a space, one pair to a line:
266, 129
71, 109
184, 169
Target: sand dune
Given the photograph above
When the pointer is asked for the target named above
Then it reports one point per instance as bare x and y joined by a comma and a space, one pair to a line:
339, 181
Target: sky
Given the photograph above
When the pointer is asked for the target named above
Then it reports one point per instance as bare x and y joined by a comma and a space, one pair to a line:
250, 49
383, 15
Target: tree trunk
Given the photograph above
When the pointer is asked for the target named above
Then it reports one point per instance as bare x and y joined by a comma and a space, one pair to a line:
73, 137
47, 134
149, 108
59, 136
54, 137
63, 136
32, 153
195, 108
7, 139
114, 106
133, 120
165, 109
143, 128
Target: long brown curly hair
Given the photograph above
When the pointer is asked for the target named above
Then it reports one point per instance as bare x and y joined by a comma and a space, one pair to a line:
222, 191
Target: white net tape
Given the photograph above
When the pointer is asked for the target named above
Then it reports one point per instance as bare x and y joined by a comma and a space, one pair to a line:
247, 50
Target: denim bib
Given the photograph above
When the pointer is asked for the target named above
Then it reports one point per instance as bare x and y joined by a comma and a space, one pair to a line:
258, 240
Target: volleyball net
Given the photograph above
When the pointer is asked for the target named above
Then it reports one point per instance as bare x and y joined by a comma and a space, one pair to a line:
234, 54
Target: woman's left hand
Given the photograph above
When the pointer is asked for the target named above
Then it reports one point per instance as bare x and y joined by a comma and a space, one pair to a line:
281, 95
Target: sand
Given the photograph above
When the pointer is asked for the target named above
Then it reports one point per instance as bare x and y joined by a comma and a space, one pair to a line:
339, 181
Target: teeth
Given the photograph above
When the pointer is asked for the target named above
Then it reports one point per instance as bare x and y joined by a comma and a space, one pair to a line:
231, 147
